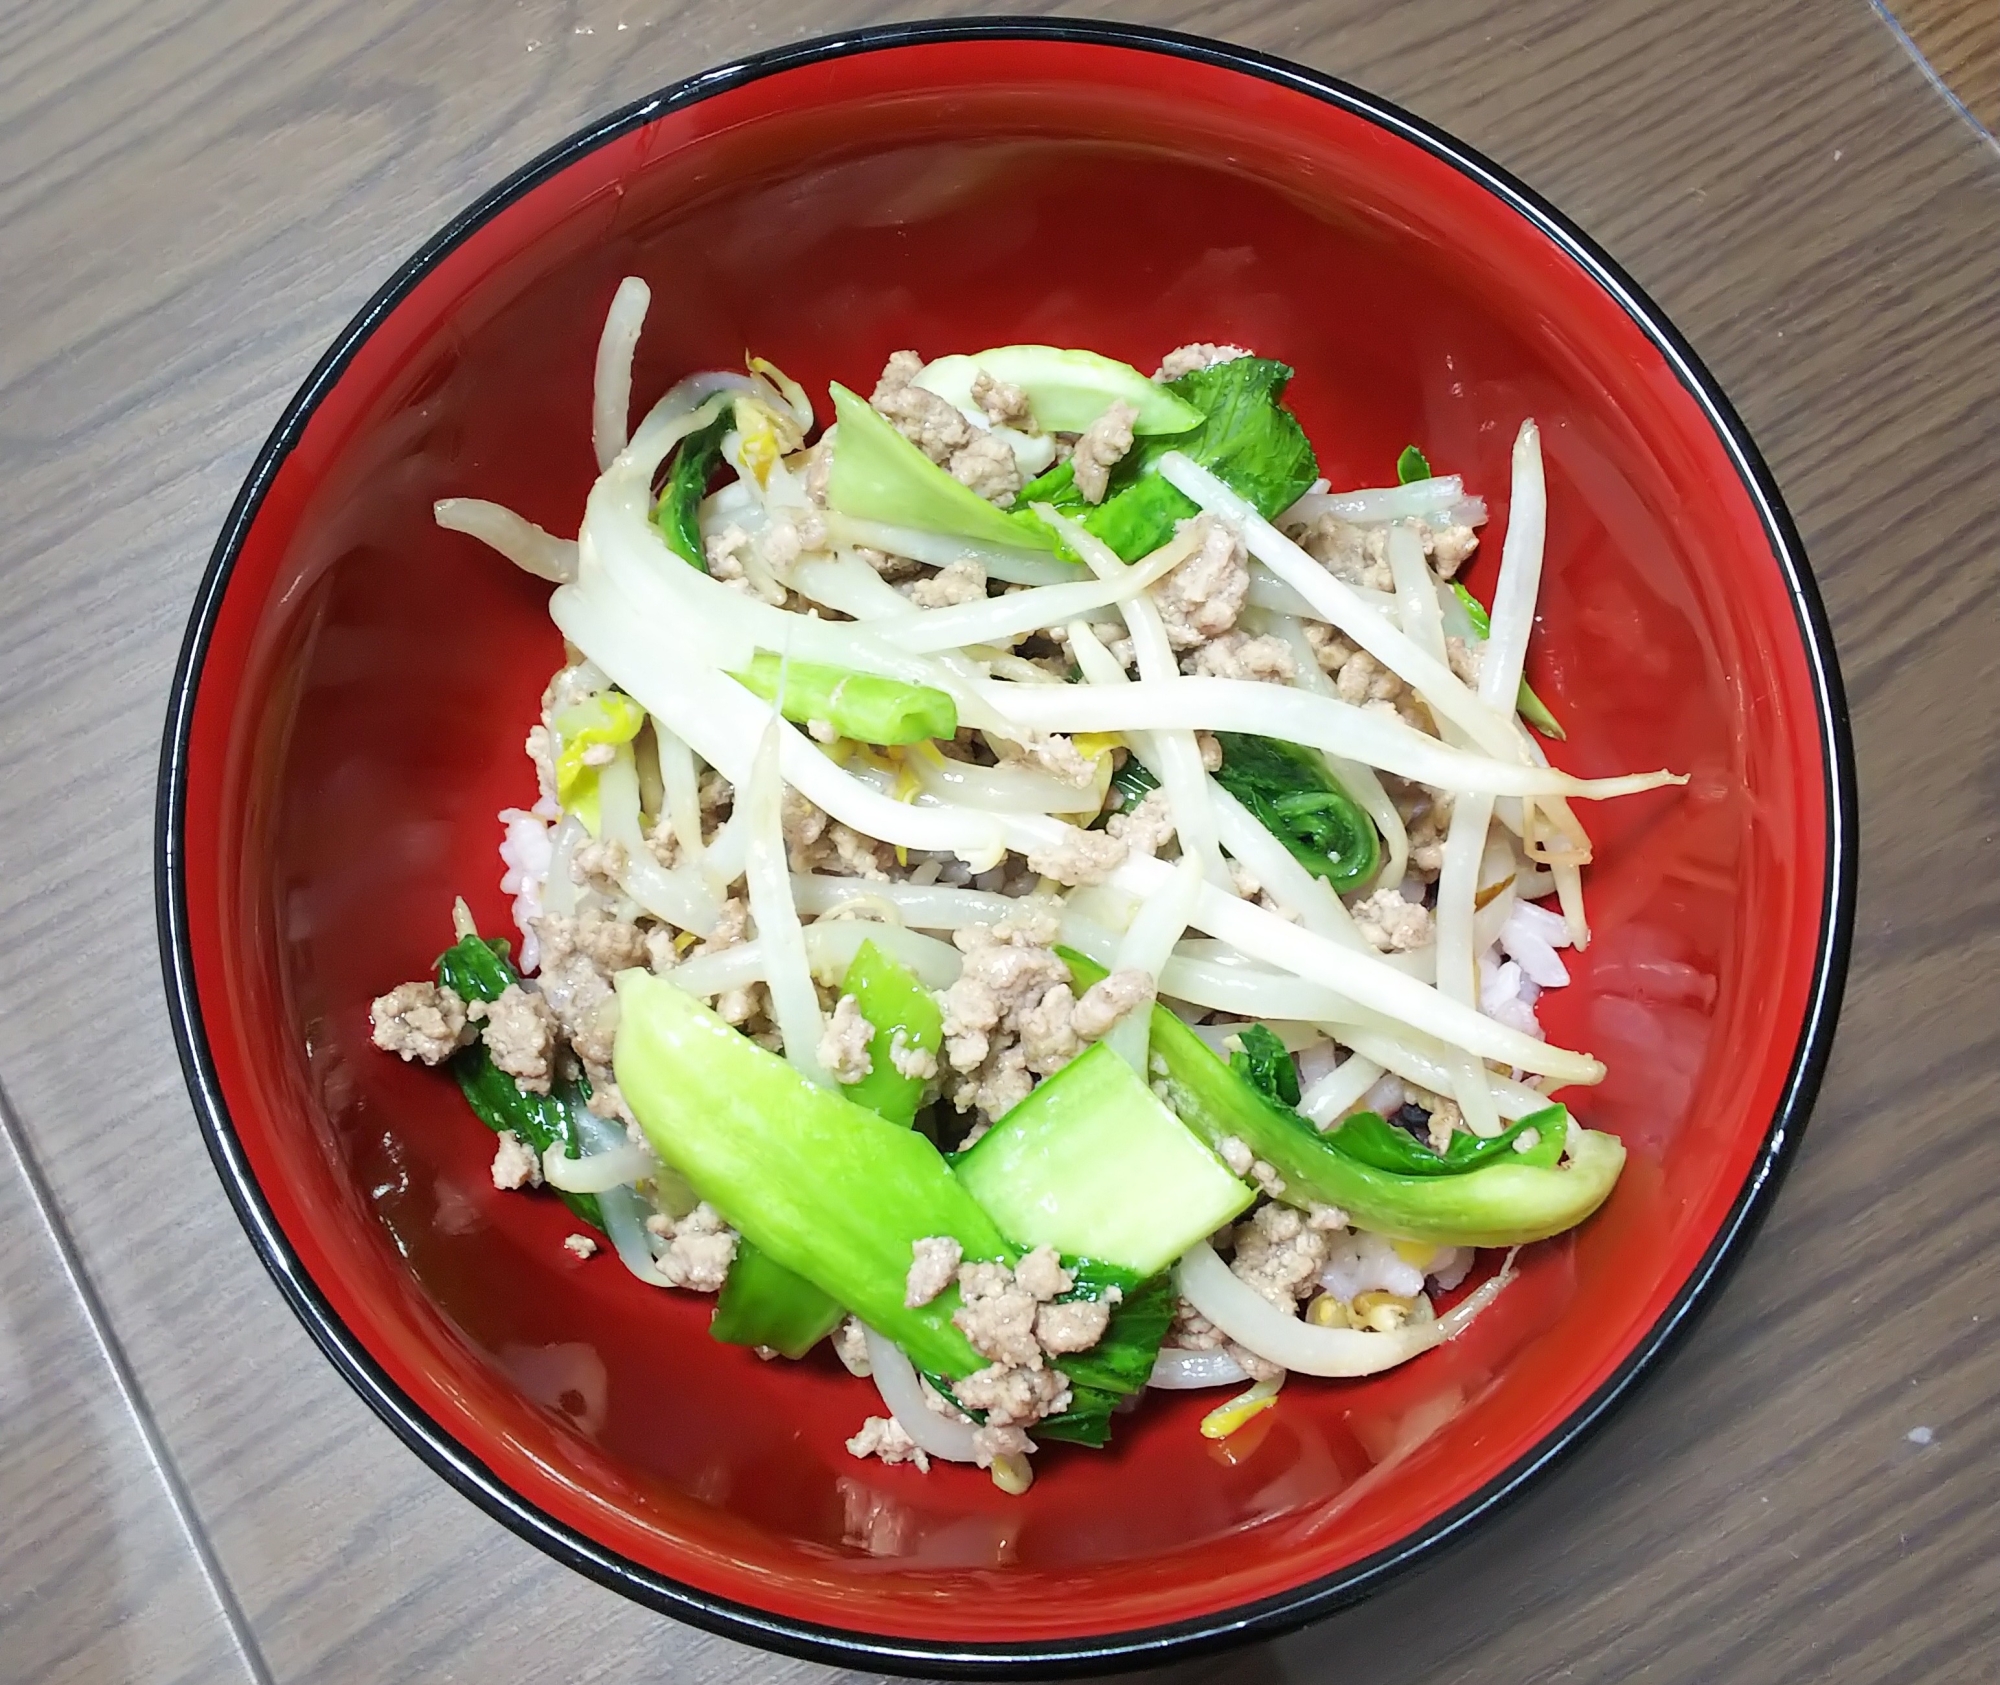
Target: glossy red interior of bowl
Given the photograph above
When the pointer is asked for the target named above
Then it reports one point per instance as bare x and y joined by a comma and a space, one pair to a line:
358, 715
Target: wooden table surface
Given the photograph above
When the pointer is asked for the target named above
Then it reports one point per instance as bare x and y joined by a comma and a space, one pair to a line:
196, 194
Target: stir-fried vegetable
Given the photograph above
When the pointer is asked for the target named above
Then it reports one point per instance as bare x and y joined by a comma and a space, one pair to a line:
687, 481
1299, 802
478, 969
908, 1028
1092, 1164
860, 706
1499, 1204
878, 475
968, 727
1247, 439
1066, 390
763, 1303
835, 1193
1260, 1060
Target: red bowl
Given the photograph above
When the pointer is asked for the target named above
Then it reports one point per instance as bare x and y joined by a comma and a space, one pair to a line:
355, 686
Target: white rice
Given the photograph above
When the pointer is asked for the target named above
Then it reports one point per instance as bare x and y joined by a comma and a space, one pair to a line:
1364, 1263
524, 850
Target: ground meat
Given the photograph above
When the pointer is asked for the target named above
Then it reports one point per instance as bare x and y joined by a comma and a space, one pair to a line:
519, 1033
987, 466
1053, 753
997, 1317
580, 1246
701, 1251
1192, 1331
850, 1345
884, 1437
540, 747
609, 944
1202, 597
1048, 1034
1041, 1276
1429, 823
957, 582
1012, 1395
1146, 828
843, 1044
1002, 402
1001, 1027
732, 926
918, 1063
933, 1267
1187, 358
1446, 1121
1464, 660
1236, 1153
1364, 679
925, 419
1280, 1254
421, 1021
1392, 923
1449, 548
1329, 648
515, 1163
1237, 655
989, 1444
583, 1004
1211, 750
1108, 1000
1101, 448
1359, 555
599, 864
1072, 1327
819, 469
1082, 857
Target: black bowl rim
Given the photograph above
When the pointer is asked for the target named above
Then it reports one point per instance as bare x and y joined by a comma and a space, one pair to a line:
1136, 1647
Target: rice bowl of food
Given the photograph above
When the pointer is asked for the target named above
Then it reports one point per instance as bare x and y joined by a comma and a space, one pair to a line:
1226, 882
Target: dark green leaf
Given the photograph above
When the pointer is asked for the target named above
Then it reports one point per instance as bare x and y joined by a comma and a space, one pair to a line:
679, 510
1411, 466
1293, 796
1372, 1139
1247, 439
1266, 1066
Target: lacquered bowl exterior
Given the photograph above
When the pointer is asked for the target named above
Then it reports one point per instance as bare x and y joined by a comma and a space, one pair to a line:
357, 685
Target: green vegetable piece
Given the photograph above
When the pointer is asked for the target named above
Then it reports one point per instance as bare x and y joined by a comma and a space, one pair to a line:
1526, 703
897, 1005
476, 969
826, 1188
1301, 803
1495, 1205
1372, 1139
861, 706
1247, 439
605, 720
687, 484
1122, 1361
764, 1304
1266, 1066
1412, 466
878, 475
1067, 390
1133, 782
1092, 1164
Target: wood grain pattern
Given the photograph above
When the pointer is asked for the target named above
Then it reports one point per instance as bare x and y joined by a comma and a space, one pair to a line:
99, 1580
1961, 40
197, 195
